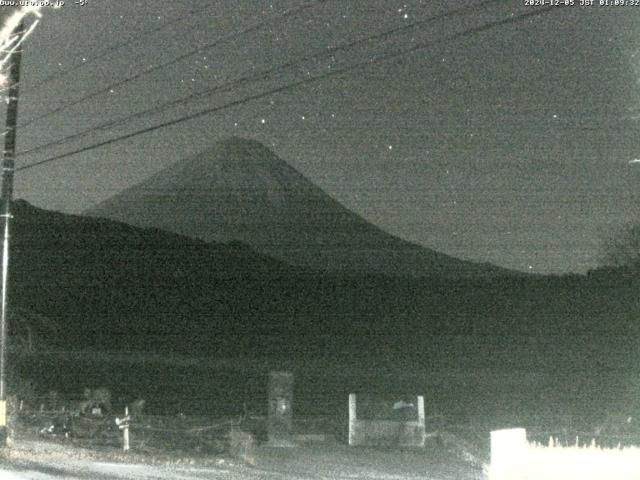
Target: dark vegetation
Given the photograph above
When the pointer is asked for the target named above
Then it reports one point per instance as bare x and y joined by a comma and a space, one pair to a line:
622, 248
513, 342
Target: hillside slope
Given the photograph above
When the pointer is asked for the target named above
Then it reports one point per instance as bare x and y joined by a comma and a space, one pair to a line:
240, 190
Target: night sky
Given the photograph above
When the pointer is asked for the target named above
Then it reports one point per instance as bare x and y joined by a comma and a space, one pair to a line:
513, 145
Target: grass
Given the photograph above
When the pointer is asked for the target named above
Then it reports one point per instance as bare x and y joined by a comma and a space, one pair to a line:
475, 401
207, 442
458, 454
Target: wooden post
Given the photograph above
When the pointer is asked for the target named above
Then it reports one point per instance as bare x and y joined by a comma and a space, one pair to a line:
123, 424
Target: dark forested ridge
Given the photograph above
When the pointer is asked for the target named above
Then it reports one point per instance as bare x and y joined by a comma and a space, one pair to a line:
112, 286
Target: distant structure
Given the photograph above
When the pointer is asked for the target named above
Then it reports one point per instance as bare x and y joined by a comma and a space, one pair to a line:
379, 422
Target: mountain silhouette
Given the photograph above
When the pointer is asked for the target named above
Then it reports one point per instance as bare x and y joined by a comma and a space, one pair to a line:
240, 190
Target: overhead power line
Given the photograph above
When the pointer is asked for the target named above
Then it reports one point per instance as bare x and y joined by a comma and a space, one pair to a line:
115, 47
257, 76
173, 61
306, 81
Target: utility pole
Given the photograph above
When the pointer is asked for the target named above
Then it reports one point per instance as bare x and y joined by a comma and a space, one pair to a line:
6, 196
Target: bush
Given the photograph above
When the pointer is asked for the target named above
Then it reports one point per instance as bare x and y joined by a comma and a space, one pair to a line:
96, 398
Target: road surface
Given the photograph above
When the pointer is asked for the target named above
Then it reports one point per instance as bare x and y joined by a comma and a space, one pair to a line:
88, 470
46, 461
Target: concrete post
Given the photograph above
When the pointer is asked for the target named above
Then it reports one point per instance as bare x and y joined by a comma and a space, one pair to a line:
280, 415
125, 431
352, 419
